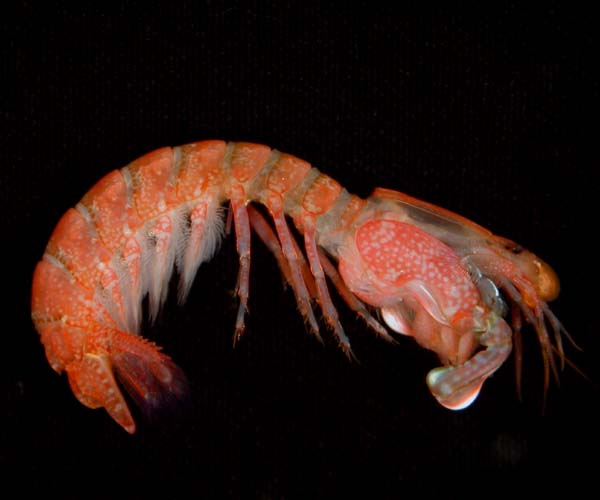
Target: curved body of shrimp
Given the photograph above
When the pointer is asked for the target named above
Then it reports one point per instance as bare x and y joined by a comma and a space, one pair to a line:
431, 273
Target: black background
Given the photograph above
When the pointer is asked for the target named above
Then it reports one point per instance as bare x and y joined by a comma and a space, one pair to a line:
488, 113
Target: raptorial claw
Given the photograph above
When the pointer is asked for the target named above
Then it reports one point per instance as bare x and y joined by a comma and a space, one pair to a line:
456, 387
445, 385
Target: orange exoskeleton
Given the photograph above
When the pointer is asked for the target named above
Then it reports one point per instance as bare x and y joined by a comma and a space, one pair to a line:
429, 273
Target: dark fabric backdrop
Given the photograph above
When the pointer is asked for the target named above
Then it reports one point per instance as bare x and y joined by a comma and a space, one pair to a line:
492, 114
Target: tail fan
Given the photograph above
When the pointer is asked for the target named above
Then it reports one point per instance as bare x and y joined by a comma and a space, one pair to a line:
151, 378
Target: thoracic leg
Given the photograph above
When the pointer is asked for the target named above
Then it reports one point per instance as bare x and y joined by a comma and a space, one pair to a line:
242, 237
275, 205
329, 311
269, 238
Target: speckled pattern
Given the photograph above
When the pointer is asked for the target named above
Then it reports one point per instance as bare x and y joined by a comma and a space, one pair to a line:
398, 253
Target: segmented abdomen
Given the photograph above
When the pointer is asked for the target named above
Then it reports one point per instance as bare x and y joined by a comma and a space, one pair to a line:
127, 233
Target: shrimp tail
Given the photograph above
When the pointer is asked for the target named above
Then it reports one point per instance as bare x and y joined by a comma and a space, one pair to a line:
152, 380
150, 377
